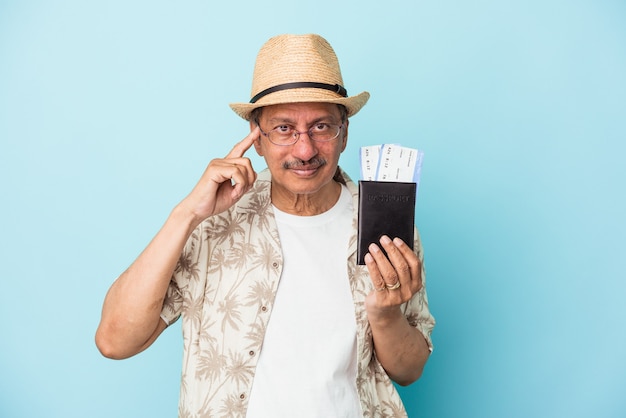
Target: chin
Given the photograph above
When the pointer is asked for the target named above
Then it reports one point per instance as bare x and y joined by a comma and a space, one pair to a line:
303, 185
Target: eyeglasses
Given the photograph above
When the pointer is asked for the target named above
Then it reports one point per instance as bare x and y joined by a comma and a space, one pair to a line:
284, 135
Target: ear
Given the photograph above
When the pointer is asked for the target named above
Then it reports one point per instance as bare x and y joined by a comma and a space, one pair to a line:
345, 136
257, 142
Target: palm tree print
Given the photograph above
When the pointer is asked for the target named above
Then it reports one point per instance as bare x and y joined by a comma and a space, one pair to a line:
232, 316
224, 287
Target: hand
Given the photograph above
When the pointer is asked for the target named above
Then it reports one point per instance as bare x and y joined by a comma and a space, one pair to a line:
224, 182
396, 278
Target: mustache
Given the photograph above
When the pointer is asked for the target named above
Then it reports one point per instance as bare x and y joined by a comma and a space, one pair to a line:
314, 162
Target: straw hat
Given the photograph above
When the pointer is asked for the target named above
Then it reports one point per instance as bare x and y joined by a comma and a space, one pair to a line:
297, 69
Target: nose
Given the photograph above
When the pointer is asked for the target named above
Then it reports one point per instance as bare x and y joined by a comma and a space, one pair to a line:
305, 148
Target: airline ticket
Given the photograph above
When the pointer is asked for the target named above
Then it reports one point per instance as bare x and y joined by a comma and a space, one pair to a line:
391, 162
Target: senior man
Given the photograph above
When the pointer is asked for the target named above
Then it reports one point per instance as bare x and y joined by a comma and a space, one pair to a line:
278, 318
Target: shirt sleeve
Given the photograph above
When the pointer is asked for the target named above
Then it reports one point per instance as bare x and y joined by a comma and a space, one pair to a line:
184, 272
173, 304
416, 310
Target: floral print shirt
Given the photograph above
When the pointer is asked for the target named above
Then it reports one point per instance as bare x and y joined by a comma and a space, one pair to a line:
224, 287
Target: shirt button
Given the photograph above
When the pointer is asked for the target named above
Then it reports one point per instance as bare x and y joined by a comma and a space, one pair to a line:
251, 353
242, 396
275, 264
264, 308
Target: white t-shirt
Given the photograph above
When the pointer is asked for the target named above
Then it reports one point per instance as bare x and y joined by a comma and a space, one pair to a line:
307, 365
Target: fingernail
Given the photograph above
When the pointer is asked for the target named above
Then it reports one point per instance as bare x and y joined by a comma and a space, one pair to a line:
373, 248
385, 239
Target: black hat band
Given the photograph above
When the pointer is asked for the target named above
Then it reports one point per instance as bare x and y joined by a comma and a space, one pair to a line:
340, 90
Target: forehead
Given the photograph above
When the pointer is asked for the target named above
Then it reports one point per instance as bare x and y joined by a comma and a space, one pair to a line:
297, 111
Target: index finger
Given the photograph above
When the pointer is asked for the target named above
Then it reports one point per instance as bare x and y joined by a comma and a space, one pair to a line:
413, 261
244, 145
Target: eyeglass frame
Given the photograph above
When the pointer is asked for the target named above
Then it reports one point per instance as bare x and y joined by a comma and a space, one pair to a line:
298, 133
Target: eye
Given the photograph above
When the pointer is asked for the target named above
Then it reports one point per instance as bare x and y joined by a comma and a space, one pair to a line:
283, 129
320, 127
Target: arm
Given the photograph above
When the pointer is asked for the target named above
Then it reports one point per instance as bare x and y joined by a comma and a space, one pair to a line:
401, 349
131, 311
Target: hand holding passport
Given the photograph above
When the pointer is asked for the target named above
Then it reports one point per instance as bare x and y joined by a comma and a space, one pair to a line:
387, 192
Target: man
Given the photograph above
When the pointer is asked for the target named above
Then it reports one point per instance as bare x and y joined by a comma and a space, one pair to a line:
278, 318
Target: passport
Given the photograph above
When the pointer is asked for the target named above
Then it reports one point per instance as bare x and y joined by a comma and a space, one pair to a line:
385, 208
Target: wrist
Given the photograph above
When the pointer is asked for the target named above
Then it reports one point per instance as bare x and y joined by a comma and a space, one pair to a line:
385, 317
183, 216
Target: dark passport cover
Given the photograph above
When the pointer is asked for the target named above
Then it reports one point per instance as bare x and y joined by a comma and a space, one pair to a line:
385, 208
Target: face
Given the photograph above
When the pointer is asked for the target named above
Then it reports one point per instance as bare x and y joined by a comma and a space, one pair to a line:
306, 167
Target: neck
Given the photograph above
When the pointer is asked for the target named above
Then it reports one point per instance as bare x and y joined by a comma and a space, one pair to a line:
307, 204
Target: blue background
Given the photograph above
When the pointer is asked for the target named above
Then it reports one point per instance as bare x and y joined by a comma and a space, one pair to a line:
110, 111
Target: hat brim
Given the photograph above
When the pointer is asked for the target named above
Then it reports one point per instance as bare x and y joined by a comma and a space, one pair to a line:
306, 95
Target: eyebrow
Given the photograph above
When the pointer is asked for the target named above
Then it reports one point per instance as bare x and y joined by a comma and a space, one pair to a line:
324, 118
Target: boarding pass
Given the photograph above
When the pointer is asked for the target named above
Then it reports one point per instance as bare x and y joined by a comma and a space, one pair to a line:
391, 162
